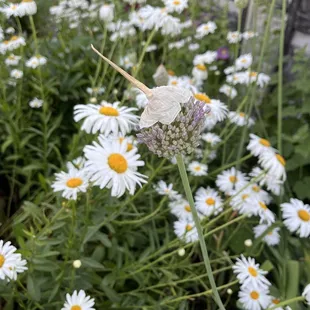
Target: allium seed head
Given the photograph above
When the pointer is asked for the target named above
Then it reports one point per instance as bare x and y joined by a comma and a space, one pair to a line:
181, 136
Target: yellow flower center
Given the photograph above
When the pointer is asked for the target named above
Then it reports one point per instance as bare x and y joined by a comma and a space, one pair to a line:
197, 168
2, 260
256, 188
262, 205
14, 38
210, 201
202, 97
254, 295
252, 271
201, 67
188, 208
108, 111
206, 27
276, 301
171, 72
176, 2
280, 159
264, 142
244, 60
233, 179
14, 7
27, 1
76, 307
188, 227
242, 114
117, 162
74, 182
129, 145
245, 196
11, 57
6, 42
253, 74
304, 215
174, 82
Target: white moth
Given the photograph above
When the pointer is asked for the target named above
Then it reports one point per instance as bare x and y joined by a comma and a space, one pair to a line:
164, 102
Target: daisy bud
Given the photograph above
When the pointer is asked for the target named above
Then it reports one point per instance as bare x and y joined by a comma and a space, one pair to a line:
164, 102
248, 243
241, 4
106, 12
93, 100
77, 264
161, 76
229, 291
181, 252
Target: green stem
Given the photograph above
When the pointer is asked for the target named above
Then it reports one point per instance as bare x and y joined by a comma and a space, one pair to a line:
203, 246
287, 302
280, 77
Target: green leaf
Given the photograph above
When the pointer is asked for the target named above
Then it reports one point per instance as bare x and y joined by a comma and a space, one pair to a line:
89, 262
33, 288
110, 293
292, 283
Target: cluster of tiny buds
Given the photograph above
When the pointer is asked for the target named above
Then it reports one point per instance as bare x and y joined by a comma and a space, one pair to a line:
181, 136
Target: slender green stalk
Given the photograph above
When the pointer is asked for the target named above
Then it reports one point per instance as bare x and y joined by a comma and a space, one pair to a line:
203, 246
280, 77
287, 302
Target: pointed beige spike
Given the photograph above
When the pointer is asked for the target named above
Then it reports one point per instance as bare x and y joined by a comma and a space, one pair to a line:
127, 76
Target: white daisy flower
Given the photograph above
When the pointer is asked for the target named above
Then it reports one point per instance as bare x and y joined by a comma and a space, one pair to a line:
126, 62
186, 230
27, 7
258, 146
106, 12
110, 165
234, 37
259, 194
200, 72
205, 29
229, 70
306, 294
36, 103
176, 5
77, 163
229, 91
249, 274
16, 74
181, 209
193, 46
95, 90
296, 217
141, 99
243, 202
238, 78
211, 138
271, 238
106, 118
78, 301
197, 169
11, 10
206, 58
12, 60
36, 61
268, 179
274, 163
264, 213
71, 183
244, 61
263, 80
11, 263
10, 30
162, 188
208, 201
249, 35
240, 119
254, 298
231, 181
15, 42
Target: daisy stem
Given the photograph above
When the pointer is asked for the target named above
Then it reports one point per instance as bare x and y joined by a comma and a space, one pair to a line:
287, 302
203, 246
280, 77
34, 33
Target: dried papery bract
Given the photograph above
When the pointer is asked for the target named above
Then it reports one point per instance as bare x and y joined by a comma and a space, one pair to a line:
161, 76
164, 102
